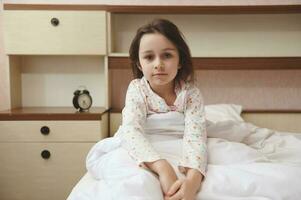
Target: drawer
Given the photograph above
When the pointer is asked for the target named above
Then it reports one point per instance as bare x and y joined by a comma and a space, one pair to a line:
24, 174
52, 131
32, 32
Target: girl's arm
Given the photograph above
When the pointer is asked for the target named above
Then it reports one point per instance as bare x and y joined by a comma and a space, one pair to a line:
133, 139
194, 159
195, 176
195, 136
167, 175
132, 128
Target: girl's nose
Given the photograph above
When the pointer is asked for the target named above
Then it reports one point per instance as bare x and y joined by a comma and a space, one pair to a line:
159, 65
158, 62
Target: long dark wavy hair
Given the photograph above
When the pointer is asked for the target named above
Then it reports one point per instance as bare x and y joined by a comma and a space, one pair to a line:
172, 33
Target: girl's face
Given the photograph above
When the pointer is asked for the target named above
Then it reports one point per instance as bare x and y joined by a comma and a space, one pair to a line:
159, 60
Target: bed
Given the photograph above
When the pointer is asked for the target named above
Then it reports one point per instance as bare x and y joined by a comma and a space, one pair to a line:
253, 113
245, 162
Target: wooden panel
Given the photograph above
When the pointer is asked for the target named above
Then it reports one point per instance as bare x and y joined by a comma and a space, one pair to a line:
15, 81
115, 122
205, 8
26, 175
104, 126
265, 90
78, 32
227, 63
287, 122
261, 84
264, 63
59, 131
119, 80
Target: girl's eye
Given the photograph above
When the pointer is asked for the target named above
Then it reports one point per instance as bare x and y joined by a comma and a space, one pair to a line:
149, 57
167, 55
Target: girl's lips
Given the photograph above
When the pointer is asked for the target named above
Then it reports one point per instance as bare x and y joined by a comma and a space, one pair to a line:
159, 74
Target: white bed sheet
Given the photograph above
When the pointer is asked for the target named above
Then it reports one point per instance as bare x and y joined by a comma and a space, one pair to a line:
245, 162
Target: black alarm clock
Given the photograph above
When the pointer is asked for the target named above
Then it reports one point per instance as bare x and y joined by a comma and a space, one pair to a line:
82, 100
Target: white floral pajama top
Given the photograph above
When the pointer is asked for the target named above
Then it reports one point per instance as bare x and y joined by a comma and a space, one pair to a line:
141, 101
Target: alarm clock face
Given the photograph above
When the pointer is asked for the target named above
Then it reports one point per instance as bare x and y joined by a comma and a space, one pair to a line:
84, 101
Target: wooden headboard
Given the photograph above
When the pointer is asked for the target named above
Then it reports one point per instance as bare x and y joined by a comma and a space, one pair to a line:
269, 89
258, 84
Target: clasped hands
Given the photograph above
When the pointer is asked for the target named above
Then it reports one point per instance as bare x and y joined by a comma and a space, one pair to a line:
174, 188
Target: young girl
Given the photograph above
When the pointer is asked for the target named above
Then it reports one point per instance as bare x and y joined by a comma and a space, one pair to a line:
159, 151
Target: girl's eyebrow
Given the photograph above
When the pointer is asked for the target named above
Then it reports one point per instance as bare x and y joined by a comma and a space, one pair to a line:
166, 49
169, 49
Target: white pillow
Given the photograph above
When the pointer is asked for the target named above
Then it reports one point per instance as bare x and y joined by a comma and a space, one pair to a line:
230, 130
223, 112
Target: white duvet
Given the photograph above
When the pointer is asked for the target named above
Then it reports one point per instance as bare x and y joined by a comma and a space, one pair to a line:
244, 162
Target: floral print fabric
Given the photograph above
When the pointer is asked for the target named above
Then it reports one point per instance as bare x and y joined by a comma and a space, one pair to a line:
141, 102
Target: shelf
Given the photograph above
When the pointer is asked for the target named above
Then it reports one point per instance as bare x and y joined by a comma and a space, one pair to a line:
51, 113
49, 81
119, 55
204, 8
227, 63
228, 35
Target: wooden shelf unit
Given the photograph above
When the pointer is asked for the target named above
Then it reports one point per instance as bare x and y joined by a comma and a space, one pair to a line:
47, 66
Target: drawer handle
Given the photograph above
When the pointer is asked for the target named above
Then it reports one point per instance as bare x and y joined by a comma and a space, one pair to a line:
45, 130
55, 21
45, 154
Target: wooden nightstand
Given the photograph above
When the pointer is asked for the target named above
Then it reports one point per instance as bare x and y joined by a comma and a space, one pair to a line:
43, 150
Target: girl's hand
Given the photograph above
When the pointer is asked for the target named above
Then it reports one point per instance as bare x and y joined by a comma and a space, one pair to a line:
167, 179
183, 189
167, 175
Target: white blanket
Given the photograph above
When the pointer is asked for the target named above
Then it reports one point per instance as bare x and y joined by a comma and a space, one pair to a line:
245, 162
